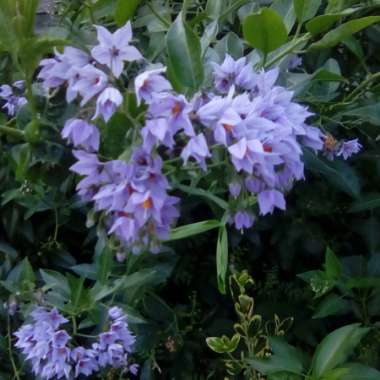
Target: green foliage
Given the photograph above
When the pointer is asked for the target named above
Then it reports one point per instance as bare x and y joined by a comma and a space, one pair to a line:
265, 30
54, 250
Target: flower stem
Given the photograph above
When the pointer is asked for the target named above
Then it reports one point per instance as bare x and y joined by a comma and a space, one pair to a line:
12, 132
15, 370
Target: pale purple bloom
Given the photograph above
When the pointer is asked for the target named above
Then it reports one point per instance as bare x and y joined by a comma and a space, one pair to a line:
50, 356
243, 219
5, 91
149, 83
19, 84
313, 138
197, 148
91, 82
269, 200
52, 317
107, 103
81, 134
231, 72
157, 130
134, 369
294, 62
265, 80
235, 189
116, 313
114, 48
13, 102
348, 148
175, 109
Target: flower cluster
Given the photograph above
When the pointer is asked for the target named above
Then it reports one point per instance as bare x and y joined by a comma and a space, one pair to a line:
13, 97
51, 354
89, 76
258, 126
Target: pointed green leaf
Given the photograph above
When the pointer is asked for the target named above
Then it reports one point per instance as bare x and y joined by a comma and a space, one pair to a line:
184, 54
343, 31
222, 258
193, 229
336, 347
124, 10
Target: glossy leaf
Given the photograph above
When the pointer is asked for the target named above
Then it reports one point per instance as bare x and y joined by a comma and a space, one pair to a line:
343, 31
285, 358
322, 23
124, 10
193, 229
367, 202
306, 9
265, 31
222, 258
338, 173
331, 305
336, 347
184, 54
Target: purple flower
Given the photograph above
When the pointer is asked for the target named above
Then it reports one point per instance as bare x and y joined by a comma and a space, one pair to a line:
232, 72
157, 130
149, 83
235, 189
134, 369
348, 148
269, 200
116, 313
294, 62
81, 134
108, 101
5, 91
90, 82
114, 49
175, 109
198, 149
243, 219
52, 317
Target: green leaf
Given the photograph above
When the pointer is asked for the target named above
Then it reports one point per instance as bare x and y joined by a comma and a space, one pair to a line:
265, 31
285, 8
184, 54
368, 113
214, 8
343, 31
124, 10
193, 229
360, 372
21, 155
322, 23
56, 281
222, 258
104, 265
338, 173
306, 9
336, 347
333, 266
331, 305
80, 297
367, 202
285, 358
223, 344
230, 44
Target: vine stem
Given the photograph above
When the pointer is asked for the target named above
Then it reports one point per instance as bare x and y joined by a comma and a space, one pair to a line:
362, 85
284, 53
15, 370
12, 132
